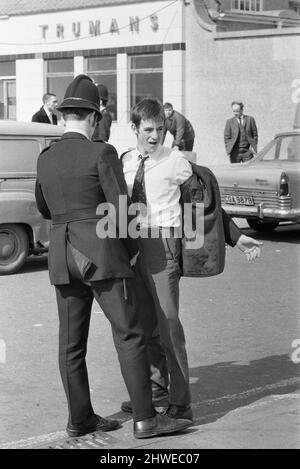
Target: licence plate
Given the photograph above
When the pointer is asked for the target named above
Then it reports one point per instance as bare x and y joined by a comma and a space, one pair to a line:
239, 199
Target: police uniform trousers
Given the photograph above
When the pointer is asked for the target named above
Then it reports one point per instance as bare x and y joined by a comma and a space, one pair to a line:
74, 302
158, 263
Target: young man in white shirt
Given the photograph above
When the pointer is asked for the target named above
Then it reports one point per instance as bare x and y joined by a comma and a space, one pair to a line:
159, 254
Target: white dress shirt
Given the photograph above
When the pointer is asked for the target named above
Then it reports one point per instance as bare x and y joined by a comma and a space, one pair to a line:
49, 114
165, 171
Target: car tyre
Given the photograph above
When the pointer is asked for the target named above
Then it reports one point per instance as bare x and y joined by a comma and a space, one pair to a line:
14, 247
262, 226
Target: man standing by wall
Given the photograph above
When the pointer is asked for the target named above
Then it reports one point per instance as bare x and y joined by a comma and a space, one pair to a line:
240, 135
46, 113
181, 129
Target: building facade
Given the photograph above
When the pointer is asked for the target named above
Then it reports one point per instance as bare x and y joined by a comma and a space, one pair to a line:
199, 54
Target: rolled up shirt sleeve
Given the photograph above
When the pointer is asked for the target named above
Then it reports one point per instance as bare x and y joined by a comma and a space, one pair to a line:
183, 169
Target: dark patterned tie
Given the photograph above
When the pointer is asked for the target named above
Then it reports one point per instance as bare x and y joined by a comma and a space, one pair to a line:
138, 189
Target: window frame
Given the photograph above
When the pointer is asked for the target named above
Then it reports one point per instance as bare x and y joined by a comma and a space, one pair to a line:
108, 72
5, 80
57, 74
136, 71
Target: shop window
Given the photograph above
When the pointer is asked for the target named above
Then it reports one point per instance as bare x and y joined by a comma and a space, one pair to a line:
103, 70
146, 77
247, 5
60, 73
8, 90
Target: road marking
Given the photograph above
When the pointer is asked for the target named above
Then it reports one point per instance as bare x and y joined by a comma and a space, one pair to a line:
37, 325
2, 351
259, 392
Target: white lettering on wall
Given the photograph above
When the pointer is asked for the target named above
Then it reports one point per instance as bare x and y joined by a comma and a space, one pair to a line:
77, 29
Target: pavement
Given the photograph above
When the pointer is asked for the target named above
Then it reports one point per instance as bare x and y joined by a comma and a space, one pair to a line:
270, 422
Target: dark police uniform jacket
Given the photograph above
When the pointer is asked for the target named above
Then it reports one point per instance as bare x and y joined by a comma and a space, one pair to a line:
102, 130
41, 116
74, 176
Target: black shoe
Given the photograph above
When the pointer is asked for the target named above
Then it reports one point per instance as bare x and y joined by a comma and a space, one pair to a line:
126, 406
99, 424
180, 412
159, 425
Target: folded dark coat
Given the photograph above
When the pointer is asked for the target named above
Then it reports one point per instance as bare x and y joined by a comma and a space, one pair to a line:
203, 240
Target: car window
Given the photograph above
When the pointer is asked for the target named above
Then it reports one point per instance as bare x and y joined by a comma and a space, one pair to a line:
18, 155
290, 148
285, 148
269, 152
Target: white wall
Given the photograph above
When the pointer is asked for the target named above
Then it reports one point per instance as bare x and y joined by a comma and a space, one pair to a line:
259, 70
29, 87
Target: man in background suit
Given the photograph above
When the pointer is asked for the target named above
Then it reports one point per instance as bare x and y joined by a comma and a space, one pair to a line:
240, 135
76, 180
46, 113
102, 130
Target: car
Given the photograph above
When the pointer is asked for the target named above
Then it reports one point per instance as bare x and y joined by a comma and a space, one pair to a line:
266, 189
23, 231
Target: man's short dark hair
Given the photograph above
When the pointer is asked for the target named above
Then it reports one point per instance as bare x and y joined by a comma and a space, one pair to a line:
147, 108
46, 97
76, 114
239, 103
168, 106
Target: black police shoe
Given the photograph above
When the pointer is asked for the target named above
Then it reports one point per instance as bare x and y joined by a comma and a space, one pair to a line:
159, 425
98, 424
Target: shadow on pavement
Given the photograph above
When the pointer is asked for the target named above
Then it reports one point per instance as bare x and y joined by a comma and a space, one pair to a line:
223, 387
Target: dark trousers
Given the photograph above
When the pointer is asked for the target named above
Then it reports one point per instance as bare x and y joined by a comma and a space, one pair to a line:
158, 263
240, 155
74, 308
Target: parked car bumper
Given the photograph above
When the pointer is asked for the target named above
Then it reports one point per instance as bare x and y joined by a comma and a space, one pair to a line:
262, 212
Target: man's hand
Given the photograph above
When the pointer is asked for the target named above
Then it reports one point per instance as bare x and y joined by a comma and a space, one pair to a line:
250, 246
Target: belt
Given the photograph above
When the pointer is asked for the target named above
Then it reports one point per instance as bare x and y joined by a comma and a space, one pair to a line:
75, 215
160, 232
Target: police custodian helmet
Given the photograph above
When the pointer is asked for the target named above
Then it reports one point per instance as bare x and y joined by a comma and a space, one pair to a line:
82, 93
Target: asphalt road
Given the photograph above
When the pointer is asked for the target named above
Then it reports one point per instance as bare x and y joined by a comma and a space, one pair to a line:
241, 329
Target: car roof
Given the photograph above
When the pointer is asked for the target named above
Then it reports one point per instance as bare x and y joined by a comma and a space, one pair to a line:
10, 127
289, 132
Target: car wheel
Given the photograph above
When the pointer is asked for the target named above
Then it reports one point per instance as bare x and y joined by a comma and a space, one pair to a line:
14, 246
262, 226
